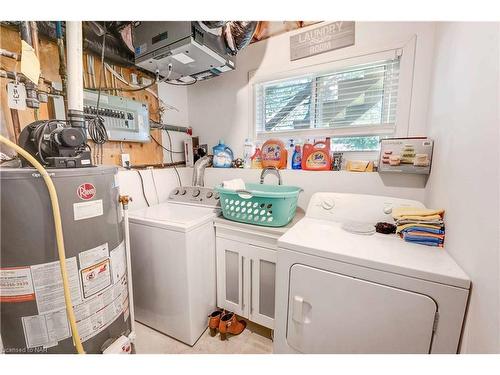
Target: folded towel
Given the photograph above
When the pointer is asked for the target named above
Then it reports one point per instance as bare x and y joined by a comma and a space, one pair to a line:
413, 238
422, 227
423, 235
236, 184
423, 221
426, 243
422, 230
417, 217
415, 213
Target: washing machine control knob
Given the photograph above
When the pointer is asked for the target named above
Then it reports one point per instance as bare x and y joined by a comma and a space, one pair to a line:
183, 192
216, 196
327, 204
196, 192
176, 192
210, 194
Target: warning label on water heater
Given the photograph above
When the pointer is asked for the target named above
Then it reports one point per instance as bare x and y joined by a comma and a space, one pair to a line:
48, 285
98, 288
16, 285
95, 278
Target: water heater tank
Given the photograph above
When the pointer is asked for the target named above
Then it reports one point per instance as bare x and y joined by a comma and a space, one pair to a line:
32, 312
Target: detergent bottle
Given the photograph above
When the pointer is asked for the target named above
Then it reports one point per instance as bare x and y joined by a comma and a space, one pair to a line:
297, 158
257, 158
290, 148
274, 154
316, 157
247, 153
223, 155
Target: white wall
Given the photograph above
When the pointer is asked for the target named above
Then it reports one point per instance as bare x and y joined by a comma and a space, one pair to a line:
158, 183
312, 182
219, 108
176, 97
464, 122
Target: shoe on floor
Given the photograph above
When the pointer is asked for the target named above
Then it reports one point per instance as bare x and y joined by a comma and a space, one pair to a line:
214, 321
229, 324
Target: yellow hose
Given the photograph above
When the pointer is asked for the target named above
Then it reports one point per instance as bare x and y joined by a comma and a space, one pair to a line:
59, 237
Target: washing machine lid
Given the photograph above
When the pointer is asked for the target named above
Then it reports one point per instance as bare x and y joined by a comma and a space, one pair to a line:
378, 251
173, 216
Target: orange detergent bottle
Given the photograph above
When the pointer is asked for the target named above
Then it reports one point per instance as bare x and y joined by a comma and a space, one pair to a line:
274, 154
316, 157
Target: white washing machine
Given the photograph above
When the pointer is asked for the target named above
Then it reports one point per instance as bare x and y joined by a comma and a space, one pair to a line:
340, 292
173, 262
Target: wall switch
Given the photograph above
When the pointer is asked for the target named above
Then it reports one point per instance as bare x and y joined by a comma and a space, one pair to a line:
125, 160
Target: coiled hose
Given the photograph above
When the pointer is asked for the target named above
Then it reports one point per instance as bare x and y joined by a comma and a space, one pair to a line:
59, 237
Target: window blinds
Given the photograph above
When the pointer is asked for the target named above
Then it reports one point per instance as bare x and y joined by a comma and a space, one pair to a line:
356, 96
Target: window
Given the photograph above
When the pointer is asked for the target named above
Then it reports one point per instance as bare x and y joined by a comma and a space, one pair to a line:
354, 104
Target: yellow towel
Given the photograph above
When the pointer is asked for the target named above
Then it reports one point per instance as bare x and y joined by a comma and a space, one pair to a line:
416, 213
404, 226
415, 217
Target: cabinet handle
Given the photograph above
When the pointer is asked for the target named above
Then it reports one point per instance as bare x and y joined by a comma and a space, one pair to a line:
251, 286
242, 283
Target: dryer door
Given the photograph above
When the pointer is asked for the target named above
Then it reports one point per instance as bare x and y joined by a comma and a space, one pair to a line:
333, 313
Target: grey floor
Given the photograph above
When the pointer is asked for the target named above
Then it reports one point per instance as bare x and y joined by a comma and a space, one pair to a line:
253, 340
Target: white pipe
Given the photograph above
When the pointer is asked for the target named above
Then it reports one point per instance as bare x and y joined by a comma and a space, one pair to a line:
129, 274
74, 50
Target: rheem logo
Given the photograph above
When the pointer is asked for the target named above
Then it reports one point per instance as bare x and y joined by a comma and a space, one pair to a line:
86, 191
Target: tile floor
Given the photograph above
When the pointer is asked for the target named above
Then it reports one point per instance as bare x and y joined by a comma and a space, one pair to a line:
254, 339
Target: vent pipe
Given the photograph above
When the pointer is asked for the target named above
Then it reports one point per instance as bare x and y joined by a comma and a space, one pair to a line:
74, 48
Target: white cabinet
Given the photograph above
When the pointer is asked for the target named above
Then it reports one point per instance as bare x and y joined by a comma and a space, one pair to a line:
246, 276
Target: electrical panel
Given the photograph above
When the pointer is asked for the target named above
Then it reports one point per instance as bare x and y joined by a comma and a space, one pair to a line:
124, 119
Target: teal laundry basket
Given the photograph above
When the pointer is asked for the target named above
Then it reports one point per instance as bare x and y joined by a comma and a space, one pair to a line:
266, 205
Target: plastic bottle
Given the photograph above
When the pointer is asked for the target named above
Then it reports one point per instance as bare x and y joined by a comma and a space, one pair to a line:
297, 158
274, 154
248, 150
290, 147
257, 158
316, 157
223, 155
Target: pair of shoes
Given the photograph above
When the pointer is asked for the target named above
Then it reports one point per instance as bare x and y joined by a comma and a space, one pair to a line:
225, 322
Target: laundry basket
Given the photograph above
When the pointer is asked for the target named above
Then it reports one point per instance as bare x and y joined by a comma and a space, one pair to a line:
266, 205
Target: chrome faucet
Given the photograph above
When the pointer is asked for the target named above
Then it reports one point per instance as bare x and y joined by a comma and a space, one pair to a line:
272, 170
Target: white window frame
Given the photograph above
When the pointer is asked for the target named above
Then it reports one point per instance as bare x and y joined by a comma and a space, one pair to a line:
405, 50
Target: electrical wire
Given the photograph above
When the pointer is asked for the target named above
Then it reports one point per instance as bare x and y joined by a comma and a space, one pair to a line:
142, 186
124, 88
56, 213
154, 184
163, 147
172, 158
96, 128
182, 84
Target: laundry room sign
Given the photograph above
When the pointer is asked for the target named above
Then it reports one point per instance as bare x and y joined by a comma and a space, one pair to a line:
328, 37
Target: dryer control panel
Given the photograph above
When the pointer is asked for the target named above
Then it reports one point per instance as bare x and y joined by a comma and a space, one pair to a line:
196, 195
361, 208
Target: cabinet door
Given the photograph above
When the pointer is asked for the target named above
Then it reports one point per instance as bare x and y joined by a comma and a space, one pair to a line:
263, 277
333, 313
231, 276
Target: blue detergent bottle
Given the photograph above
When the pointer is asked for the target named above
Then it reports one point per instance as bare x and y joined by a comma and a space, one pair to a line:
297, 158
223, 155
